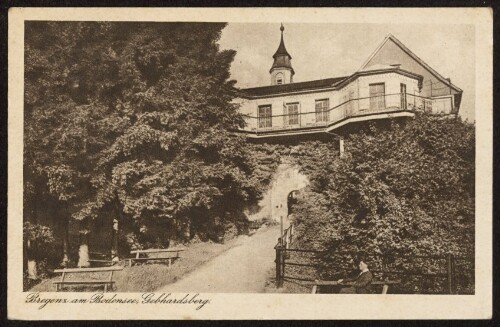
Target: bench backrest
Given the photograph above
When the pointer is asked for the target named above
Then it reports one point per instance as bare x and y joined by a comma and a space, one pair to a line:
156, 251
84, 270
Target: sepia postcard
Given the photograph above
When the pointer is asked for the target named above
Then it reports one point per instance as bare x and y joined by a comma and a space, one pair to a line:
249, 163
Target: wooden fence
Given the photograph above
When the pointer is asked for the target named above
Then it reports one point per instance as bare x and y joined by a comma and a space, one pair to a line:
450, 267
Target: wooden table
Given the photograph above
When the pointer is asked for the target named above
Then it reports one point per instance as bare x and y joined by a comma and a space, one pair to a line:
171, 254
105, 281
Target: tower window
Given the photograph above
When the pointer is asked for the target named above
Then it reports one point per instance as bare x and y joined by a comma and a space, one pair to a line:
279, 78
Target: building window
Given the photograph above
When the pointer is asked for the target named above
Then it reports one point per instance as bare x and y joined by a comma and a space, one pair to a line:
404, 103
279, 81
265, 116
322, 107
291, 114
377, 96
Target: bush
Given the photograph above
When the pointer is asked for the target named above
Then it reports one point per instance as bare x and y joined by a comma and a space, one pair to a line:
400, 191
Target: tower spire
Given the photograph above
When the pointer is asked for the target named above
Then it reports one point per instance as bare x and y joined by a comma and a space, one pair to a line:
281, 49
281, 71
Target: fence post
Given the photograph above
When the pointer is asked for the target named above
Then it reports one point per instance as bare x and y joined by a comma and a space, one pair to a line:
450, 271
278, 263
453, 278
283, 258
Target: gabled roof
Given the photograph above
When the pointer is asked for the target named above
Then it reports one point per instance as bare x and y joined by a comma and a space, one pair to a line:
320, 84
412, 55
293, 87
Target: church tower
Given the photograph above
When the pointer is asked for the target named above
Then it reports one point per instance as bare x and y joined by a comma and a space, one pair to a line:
281, 71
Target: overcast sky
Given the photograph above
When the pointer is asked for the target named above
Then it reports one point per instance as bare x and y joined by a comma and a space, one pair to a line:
332, 50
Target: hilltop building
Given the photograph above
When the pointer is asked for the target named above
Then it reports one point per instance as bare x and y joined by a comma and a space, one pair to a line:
393, 82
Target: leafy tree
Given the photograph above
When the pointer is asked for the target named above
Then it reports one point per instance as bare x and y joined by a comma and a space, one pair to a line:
58, 121
131, 122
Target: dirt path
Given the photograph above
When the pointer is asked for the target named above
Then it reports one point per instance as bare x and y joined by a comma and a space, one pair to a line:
242, 269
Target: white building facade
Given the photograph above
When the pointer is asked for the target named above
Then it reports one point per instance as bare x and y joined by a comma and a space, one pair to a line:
382, 88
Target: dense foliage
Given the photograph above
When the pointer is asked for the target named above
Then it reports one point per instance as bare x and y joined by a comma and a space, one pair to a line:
40, 239
400, 191
131, 121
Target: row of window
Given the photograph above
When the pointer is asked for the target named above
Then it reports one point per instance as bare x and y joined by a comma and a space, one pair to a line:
291, 111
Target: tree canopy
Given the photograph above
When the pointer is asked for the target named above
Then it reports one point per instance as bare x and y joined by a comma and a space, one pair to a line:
132, 121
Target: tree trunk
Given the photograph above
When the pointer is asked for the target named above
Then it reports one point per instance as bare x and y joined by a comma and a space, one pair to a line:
114, 248
32, 271
83, 251
83, 255
187, 231
30, 246
65, 239
115, 232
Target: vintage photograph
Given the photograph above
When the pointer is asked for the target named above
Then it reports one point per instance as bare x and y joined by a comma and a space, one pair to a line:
280, 157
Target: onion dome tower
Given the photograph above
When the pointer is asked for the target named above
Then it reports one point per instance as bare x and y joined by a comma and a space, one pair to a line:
281, 71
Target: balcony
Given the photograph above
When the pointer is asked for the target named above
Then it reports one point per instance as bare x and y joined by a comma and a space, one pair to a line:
354, 110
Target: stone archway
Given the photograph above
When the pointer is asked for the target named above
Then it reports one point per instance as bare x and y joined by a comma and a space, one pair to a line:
274, 204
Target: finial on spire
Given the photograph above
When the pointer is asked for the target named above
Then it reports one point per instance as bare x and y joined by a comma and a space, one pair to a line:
282, 28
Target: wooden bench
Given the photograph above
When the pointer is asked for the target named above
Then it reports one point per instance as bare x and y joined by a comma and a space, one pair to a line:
171, 254
100, 260
253, 226
107, 281
102, 263
385, 284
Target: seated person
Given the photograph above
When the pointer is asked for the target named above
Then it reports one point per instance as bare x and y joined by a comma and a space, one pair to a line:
362, 283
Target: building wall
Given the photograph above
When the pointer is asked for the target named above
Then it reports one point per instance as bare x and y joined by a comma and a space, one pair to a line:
338, 99
306, 104
392, 82
391, 54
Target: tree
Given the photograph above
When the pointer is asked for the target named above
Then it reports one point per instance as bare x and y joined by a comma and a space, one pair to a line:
58, 118
135, 123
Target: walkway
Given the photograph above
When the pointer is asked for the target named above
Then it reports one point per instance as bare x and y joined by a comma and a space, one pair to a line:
242, 269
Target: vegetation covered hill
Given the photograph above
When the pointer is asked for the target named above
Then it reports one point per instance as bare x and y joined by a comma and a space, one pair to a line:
401, 191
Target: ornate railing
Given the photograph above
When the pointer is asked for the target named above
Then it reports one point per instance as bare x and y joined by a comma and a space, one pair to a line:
352, 108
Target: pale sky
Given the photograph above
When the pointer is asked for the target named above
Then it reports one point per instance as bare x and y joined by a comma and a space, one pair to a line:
333, 50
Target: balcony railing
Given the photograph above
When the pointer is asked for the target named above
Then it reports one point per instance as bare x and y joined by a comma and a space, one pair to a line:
352, 108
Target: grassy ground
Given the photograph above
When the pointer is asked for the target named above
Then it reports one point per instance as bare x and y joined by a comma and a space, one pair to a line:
150, 277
